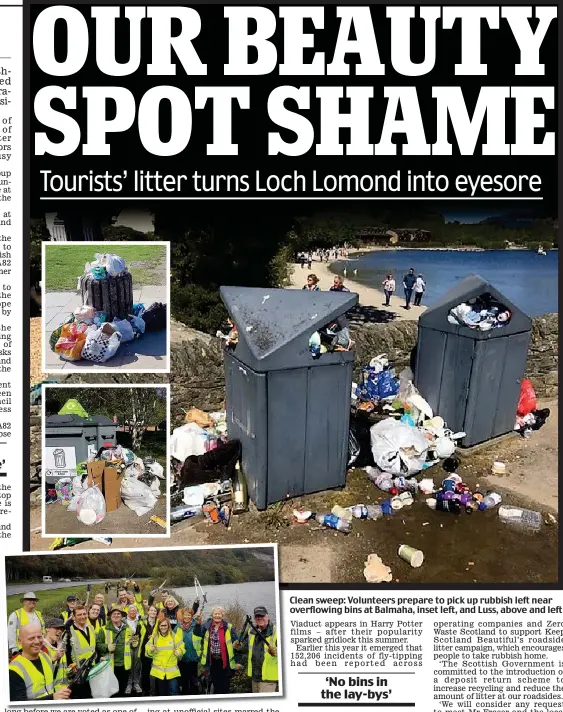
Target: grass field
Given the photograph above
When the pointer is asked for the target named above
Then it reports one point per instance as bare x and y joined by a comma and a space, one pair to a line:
65, 263
53, 602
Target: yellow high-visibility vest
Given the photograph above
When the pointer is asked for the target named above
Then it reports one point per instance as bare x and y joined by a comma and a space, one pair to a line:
60, 676
228, 642
37, 685
82, 649
164, 662
23, 619
270, 664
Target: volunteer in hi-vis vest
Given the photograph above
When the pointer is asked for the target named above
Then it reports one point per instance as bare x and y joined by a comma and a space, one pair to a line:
262, 654
217, 652
81, 645
114, 639
71, 603
28, 613
94, 613
165, 647
31, 671
54, 646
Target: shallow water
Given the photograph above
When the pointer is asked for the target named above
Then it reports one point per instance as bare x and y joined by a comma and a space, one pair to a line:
528, 280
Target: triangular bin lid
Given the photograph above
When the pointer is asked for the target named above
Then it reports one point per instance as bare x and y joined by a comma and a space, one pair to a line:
73, 407
276, 324
435, 316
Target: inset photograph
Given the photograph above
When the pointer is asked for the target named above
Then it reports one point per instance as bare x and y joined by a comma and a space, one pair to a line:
143, 624
106, 307
105, 461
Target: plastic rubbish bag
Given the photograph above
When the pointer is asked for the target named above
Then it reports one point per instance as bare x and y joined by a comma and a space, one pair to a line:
101, 344
155, 317
127, 455
63, 488
379, 363
102, 679
353, 448
91, 506
398, 448
387, 384
155, 487
156, 469
137, 496
85, 314
125, 328
138, 324
70, 344
113, 454
114, 264
527, 401
199, 417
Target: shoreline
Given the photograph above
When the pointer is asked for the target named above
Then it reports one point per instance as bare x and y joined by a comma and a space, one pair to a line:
372, 297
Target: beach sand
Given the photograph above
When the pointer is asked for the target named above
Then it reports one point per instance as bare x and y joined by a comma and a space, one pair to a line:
369, 297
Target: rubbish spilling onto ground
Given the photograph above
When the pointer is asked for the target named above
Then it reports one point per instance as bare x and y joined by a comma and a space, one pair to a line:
107, 317
375, 571
112, 477
413, 556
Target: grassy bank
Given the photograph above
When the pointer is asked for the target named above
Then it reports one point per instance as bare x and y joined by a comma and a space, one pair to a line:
65, 263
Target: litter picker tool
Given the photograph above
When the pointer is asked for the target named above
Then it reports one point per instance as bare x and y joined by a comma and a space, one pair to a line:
247, 627
200, 597
88, 589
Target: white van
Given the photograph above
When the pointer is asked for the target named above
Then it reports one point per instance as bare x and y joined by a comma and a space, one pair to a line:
47, 579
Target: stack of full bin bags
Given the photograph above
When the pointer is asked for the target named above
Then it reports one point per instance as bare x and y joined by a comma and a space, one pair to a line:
107, 317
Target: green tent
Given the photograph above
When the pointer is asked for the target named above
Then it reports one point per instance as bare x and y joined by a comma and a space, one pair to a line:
73, 407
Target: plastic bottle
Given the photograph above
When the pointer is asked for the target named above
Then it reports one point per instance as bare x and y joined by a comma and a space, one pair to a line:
184, 512
341, 512
444, 505
492, 499
240, 492
524, 518
369, 511
329, 520
385, 483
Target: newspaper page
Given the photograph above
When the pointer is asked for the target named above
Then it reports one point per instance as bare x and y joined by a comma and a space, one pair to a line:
292, 336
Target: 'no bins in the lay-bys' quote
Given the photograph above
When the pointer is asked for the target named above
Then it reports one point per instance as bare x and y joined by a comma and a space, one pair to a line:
295, 182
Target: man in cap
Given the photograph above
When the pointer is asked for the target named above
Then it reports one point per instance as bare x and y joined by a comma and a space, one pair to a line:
262, 653
115, 639
71, 603
28, 613
54, 646
31, 671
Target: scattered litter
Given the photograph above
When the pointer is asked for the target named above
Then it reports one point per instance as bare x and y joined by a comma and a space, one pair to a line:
159, 521
375, 571
498, 468
413, 556
265, 298
302, 516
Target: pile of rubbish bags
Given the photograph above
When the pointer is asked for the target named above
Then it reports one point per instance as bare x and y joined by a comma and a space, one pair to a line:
483, 313
201, 433
378, 382
139, 489
88, 335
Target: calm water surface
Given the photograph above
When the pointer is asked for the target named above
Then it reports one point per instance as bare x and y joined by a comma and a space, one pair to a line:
248, 595
528, 280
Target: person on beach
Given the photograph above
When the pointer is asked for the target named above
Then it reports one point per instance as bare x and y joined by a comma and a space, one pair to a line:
419, 289
309, 260
409, 281
388, 288
338, 285
312, 283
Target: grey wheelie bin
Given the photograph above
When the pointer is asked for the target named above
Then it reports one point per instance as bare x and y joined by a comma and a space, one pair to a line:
470, 377
290, 412
70, 439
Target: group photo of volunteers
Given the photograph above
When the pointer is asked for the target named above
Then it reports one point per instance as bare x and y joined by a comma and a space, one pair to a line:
195, 632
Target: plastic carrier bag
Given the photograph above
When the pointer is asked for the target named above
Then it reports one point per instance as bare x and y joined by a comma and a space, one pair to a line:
70, 344
91, 506
125, 328
155, 317
101, 344
114, 264
137, 496
398, 448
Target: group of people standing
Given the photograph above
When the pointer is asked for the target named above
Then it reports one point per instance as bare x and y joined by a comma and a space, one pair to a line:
335, 253
412, 285
155, 647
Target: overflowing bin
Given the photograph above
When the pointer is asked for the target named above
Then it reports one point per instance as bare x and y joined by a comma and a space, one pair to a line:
290, 411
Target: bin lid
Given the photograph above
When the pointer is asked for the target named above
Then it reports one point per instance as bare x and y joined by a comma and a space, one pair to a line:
275, 325
436, 315
102, 420
65, 421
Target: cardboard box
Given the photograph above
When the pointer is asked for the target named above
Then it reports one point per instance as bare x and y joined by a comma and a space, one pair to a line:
112, 488
96, 474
